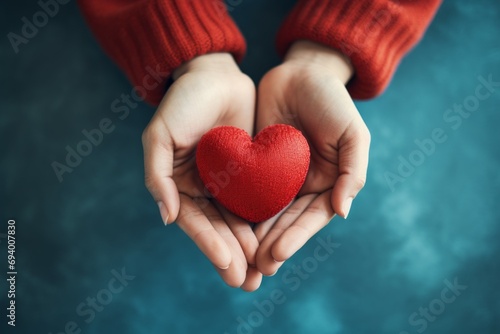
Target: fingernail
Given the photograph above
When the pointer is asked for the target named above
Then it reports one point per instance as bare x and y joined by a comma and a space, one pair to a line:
347, 206
224, 268
163, 212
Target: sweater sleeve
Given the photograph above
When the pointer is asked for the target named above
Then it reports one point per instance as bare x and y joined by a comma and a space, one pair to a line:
374, 34
151, 38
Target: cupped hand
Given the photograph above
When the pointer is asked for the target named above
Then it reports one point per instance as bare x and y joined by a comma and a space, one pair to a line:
308, 92
208, 91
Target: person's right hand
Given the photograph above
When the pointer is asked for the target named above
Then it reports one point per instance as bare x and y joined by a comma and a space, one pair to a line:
208, 91
308, 92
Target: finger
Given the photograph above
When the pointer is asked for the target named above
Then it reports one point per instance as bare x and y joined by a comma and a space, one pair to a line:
196, 225
243, 232
354, 149
263, 228
313, 218
266, 263
252, 280
264, 260
269, 110
241, 111
158, 168
234, 275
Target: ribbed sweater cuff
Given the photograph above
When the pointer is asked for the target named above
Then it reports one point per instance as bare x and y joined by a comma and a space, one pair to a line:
375, 35
159, 35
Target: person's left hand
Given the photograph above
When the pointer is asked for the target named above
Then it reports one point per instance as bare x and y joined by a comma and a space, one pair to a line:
308, 92
209, 91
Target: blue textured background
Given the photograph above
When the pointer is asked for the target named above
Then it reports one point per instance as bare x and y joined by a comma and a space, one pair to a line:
397, 248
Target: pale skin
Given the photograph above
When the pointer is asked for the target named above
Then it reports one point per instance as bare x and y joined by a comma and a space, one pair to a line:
306, 91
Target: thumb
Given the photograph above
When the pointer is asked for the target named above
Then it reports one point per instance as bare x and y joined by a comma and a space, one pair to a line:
353, 148
158, 168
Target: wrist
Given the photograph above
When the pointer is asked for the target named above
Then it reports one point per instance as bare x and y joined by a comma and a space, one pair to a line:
307, 53
217, 62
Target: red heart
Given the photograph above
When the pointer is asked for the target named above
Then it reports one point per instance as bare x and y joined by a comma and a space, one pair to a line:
254, 179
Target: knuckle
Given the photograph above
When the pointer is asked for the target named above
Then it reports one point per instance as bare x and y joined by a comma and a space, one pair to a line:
149, 182
368, 136
292, 212
150, 134
247, 82
322, 214
359, 182
146, 134
364, 134
247, 79
235, 282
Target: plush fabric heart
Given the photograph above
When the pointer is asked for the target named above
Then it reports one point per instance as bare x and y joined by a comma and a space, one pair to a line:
254, 179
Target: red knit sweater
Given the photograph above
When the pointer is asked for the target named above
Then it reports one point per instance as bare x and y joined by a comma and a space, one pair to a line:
142, 35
